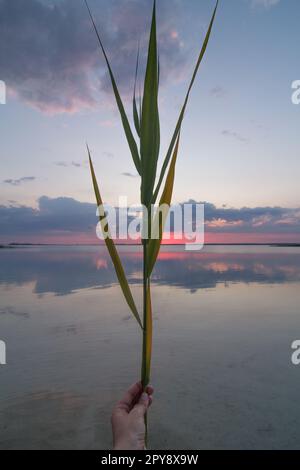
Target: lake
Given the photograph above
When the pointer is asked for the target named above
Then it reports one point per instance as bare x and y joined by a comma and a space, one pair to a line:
224, 322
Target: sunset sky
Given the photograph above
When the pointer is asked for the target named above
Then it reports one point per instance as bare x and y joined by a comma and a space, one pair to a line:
240, 141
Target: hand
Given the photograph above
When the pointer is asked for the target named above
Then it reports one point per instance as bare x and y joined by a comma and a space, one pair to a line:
128, 423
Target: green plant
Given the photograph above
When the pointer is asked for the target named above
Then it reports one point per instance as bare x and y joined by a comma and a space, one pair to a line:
145, 158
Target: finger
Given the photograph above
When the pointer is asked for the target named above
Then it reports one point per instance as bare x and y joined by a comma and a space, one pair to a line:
142, 406
130, 397
149, 390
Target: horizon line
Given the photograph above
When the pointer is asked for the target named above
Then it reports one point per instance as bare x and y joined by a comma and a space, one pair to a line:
283, 244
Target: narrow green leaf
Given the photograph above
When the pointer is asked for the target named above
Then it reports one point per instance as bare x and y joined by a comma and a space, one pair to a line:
158, 70
160, 218
113, 251
150, 129
180, 120
127, 129
136, 116
140, 104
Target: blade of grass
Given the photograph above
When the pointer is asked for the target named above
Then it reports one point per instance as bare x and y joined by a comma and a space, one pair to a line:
180, 120
127, 129
113, 251
160, 218
150, 129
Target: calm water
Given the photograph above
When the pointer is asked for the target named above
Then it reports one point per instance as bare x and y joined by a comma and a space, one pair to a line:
225, 319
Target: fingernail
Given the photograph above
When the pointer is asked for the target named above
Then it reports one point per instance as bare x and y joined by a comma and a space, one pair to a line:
144, 396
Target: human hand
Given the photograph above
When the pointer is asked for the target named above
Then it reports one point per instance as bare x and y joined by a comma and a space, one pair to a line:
128, 418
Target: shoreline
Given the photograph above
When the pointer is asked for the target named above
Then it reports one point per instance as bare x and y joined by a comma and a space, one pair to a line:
24, 245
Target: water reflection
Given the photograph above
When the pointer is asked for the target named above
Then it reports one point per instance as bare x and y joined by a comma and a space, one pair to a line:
70, 357
63, 270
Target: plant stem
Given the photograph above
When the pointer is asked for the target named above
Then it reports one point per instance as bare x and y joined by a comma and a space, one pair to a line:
147, 309
144, 350
147, 315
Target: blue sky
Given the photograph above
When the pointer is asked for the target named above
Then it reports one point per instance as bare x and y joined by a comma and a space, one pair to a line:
240, 136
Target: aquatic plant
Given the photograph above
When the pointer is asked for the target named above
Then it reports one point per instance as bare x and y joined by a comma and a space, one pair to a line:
145, 157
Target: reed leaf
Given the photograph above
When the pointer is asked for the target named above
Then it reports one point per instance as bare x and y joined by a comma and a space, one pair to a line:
127, 129
160, 218
181, 116
147, 126
113, 251
150, 129
136, 116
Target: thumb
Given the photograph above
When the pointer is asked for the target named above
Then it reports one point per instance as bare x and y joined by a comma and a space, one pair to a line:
143, 404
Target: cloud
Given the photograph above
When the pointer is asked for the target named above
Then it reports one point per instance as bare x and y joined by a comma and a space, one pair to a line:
71, 164
108, 154
11, 311
60, 214
129, 175
246, 219
235, 135
19, 181
265, 3
218, 92
50, 58
69, 217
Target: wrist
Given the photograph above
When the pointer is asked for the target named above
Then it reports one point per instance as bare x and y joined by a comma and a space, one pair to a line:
123, 446
127, 444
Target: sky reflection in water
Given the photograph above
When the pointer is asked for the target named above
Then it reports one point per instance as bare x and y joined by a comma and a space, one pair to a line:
62, 270
224, 321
